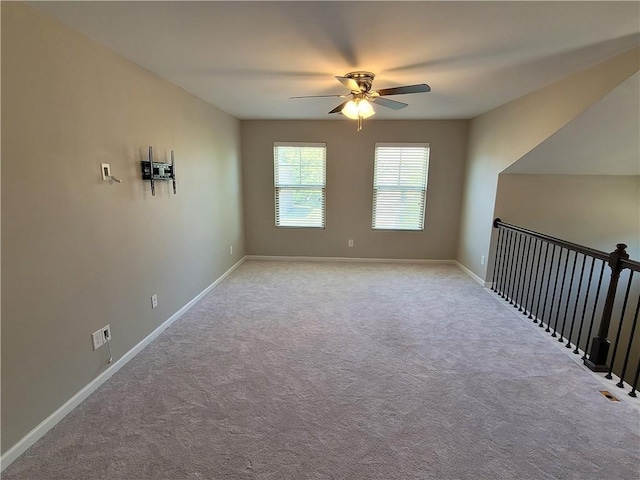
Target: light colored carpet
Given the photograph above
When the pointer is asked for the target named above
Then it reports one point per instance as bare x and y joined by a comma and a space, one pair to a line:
344, 371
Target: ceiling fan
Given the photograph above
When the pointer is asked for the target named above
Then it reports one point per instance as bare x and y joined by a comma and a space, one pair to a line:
358, 107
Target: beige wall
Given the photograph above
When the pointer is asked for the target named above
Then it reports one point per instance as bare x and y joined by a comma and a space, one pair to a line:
502, 136
593, 210
77, 252
350, 156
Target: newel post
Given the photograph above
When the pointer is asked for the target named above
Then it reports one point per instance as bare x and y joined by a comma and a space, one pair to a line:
600, 344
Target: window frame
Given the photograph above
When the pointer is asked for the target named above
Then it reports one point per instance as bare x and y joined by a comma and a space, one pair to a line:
278, 187
400, 188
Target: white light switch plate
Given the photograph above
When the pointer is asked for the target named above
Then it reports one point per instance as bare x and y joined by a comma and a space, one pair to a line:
106, 171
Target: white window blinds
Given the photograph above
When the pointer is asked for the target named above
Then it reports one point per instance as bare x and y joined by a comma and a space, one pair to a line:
299, 177
400, 186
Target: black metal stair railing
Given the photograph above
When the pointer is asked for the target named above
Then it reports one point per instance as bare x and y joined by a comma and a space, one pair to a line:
563, 287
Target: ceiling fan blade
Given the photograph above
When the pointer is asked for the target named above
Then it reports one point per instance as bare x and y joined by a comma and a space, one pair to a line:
339, 108
350, 83
385, 102
319, 96
421, 88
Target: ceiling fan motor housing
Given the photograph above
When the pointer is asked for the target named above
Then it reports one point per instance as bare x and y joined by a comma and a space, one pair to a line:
363, 79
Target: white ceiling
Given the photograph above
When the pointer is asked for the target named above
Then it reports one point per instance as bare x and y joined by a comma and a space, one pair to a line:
247, 58
604, 140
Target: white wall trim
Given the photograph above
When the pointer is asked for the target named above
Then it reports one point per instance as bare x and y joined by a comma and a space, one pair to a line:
473, 275
285, 258
48, 423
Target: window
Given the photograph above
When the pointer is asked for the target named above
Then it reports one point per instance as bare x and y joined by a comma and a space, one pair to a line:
299, 177
400, 186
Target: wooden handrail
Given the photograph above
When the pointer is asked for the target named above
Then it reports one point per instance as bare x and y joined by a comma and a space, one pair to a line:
630, 264
592, 252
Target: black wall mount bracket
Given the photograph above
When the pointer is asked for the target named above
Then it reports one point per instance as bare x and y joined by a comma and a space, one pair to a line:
158, 171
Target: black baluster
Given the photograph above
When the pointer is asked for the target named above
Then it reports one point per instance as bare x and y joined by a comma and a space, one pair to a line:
514, 271
634, 385
513, 276
507, 264
575, 307
546, 293
566, 308
626, 357
555, 289
523, 283
503, 267
527, 305
535, 283
496, 265
595, 306
518, 291
503, 262
584, 307
624, 309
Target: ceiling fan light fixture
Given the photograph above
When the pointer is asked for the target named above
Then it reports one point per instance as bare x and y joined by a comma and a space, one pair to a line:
365, 109
358, 108
350, 110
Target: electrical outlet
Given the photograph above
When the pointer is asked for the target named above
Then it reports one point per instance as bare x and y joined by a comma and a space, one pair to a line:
154, 300
482, 260
230, 249
97, 338
350, 243
106, 332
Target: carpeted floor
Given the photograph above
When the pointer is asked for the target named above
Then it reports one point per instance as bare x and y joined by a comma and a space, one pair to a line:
344, 371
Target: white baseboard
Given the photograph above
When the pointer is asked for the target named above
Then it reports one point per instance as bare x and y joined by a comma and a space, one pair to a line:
48, 423
348, 259
473, 275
